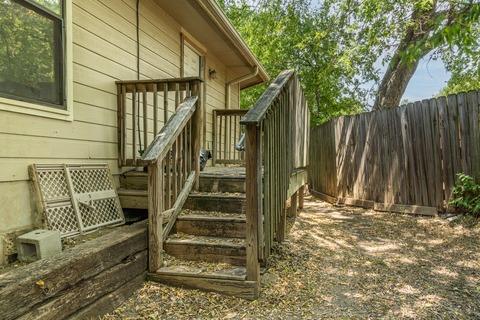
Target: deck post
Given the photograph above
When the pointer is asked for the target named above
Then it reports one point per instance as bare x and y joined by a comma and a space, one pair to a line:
253, 182
196, 134
214, 138
292, 211
155, 209
301, 197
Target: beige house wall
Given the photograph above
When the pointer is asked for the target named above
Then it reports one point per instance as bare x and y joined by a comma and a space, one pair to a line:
103, 42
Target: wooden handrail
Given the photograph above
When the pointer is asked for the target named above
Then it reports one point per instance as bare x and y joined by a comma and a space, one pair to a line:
173, 171
226, 132
276, 137
170, 131
261, 107
144, 106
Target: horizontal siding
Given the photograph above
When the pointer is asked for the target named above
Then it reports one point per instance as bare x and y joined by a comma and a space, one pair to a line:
104, 50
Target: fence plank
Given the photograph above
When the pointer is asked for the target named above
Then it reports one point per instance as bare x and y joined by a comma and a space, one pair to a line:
408, 155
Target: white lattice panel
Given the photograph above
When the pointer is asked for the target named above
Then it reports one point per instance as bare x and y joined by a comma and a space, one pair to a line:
76, 198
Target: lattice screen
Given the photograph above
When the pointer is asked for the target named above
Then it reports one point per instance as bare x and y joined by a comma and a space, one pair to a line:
76, 198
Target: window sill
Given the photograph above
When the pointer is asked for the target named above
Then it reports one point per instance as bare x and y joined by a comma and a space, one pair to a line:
18, 106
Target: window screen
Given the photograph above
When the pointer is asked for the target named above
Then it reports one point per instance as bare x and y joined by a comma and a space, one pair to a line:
31, 51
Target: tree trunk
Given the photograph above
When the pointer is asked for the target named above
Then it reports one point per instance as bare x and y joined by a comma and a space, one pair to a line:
400, 71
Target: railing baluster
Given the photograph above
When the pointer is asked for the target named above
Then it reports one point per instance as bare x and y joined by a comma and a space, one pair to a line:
155, 218
165, 103
155, 110
145, 119
134, 133
220, 136
168, 179
214, 137
177, 95
253, 200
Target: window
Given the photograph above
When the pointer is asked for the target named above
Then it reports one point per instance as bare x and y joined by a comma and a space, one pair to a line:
31, 51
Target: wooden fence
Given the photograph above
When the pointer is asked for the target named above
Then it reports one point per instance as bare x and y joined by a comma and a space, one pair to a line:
408, 155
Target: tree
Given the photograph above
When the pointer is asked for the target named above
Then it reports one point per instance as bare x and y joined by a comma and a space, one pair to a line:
291, 34
337, 46
406, 31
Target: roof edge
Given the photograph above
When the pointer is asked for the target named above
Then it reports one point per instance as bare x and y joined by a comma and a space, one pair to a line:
221, 20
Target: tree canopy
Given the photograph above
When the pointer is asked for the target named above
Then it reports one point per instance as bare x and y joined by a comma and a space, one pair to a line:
341, 48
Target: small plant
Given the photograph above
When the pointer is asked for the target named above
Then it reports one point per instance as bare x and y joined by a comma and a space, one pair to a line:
466, 195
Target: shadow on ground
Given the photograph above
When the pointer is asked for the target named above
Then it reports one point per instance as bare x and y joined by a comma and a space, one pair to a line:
345, 263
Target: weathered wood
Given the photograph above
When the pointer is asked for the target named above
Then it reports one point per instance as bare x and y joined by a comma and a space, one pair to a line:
253, 166
144, 93
222, 184
292, 210
367, 204
197, 124
400, 208
202, 250
155, 218
243, 289
213, 226
19, 291
216, 202
256, 114
408, 155
226, 123
88, 291
170, 132
111, 301
324, 197
301, 197
177, 207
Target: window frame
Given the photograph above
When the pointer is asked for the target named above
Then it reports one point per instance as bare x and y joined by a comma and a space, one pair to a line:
36, 107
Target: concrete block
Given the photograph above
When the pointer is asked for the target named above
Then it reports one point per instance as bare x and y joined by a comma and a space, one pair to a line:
38, 244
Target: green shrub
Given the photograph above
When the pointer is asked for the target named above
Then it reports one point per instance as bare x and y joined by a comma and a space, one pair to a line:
466, 195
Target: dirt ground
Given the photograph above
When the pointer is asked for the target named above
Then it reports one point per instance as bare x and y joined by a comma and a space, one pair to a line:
345, 263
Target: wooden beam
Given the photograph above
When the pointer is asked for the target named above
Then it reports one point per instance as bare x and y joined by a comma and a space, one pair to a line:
243, 289
197, 120
178, 205
155, 218
111, 301
19, 288
409, 209
253, 199
301, 197
172, 129
324, 197
88, 291
292, 210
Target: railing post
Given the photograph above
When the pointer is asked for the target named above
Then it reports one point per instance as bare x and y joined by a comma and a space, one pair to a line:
196, 134
301, 197
253, 198
155, 209
214, 133
292, 211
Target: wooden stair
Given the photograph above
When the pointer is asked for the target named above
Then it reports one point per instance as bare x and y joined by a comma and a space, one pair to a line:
206, 247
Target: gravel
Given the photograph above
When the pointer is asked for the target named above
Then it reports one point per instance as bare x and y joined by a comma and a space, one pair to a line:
344, 263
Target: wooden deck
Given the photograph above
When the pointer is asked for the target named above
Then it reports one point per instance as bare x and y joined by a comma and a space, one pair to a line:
223, 171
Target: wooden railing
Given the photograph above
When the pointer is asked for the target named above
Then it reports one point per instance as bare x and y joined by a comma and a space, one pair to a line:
173, 169
276, 141
226, 133
172, 155
144, 106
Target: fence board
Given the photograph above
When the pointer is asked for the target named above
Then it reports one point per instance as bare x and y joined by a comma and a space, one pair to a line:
408, 155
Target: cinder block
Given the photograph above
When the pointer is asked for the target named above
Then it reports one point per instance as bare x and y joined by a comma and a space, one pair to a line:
38, 244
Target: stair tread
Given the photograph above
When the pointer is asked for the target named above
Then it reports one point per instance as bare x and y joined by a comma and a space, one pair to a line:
211, 216
199, 269
227, 195
131, 192
181, 238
